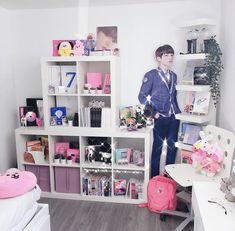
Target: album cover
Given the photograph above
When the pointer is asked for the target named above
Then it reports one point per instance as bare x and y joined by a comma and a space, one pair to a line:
58, 113
191, 134
201, 102
200, 76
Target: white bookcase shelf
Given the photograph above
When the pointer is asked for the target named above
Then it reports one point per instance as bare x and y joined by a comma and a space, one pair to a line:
120, 138
193, 118
50, 174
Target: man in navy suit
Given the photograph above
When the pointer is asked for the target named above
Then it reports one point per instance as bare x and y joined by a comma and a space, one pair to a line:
158, 91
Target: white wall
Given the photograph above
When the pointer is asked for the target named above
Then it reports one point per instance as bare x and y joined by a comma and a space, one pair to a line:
142, 28
227, 109
34, 31
7, 95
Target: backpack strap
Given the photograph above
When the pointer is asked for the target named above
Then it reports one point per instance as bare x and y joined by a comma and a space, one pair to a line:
143, 205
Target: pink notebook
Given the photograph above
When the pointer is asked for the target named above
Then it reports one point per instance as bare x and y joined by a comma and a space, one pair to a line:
94, 79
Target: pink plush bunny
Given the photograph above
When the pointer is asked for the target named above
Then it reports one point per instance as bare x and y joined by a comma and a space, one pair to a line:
78, 49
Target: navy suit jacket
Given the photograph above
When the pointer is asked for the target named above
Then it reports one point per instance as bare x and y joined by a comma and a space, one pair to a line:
163, 95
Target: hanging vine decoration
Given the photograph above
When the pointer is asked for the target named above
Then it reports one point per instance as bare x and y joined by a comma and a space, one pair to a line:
214, 67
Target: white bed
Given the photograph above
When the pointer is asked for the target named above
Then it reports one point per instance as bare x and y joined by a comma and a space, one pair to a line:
22, 212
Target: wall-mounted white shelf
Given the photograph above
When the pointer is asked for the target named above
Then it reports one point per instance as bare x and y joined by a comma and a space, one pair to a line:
200, 22
200, 56
181, 87
183, 146
193, 118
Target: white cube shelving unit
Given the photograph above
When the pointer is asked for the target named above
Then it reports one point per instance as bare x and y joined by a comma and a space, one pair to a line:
119, 138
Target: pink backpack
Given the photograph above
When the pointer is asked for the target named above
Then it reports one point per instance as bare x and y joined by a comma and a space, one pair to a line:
161, 194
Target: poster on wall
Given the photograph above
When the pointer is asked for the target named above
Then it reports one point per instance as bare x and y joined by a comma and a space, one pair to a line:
106, 37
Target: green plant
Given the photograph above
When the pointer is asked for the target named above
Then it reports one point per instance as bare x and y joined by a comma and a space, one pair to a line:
214, 67
70, 117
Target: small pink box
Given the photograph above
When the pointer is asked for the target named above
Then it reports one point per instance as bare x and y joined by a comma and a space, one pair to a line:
94, 79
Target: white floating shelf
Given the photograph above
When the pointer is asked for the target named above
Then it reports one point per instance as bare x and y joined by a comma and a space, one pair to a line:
193, 118
200, 56
183, 146
181, 87
200, 22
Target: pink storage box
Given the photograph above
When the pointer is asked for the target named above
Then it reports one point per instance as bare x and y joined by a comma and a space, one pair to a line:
94, 79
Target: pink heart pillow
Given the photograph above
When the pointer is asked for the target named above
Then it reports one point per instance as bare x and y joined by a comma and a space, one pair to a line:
14, 183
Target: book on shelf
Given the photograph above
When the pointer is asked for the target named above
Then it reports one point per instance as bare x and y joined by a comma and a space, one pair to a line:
37, 103
95, 117
68, 78
54, 78
191, 133
135, 188
186, 157
201, 102
62, 79
188, 73
120, 187
96, 185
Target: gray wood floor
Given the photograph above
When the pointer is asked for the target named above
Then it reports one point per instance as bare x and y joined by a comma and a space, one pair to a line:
72, 215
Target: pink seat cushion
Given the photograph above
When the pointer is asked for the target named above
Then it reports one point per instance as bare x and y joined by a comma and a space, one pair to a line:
15, 183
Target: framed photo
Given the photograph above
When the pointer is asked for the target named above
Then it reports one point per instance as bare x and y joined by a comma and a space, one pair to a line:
106, 37
200, 76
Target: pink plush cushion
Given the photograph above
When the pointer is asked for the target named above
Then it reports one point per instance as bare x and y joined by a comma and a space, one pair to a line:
15, 183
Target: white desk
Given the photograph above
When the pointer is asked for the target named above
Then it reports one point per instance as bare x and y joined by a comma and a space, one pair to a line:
210, 216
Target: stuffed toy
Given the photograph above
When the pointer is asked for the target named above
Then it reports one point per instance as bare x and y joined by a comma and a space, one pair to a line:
207, 157
65, 48
15, 182
78, 49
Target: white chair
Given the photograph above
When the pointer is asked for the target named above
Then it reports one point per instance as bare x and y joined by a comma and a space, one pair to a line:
185, 174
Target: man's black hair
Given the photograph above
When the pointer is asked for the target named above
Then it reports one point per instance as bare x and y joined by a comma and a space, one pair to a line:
165, 49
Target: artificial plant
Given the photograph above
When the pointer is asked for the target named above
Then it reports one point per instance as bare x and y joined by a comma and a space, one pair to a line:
214, 67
